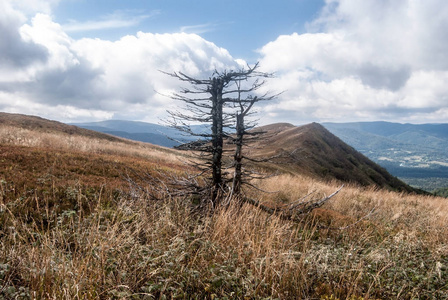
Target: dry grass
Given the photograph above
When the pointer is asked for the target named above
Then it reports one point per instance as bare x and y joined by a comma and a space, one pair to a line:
395, 241
114, 246
417, 213
16, 136
70, 228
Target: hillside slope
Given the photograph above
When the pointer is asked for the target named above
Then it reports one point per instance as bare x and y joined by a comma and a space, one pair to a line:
317, 152
88, 218
43, 125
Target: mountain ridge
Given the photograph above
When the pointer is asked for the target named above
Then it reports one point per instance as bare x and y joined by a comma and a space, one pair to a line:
312, 150
319, 153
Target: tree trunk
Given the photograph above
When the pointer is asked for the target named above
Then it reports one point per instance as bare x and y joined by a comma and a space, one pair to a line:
217, 139
238, 157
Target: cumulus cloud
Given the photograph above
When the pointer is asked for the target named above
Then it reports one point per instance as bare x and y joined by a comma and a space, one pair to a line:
358, 60
90, 79
30, 7
131, 66
364, 60
20, 103
62, 78
15, 52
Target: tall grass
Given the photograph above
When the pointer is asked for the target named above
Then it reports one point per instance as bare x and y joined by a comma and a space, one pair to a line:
65, 239
110, 245
115, 247
413, 213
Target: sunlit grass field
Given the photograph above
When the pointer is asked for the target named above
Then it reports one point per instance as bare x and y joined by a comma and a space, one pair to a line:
72, 227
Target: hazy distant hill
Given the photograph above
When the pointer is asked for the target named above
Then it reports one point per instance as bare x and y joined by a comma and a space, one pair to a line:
408, 151
433, 135
139, 131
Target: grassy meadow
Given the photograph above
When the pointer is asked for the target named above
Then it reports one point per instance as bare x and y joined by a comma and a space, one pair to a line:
72, 227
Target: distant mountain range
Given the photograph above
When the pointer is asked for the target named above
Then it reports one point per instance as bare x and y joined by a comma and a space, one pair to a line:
412, 152
140, 131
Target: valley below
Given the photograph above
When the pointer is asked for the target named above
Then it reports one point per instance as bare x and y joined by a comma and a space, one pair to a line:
417, 154
425, 169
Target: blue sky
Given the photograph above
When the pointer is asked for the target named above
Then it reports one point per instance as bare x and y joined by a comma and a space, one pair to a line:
241, 27
335, 60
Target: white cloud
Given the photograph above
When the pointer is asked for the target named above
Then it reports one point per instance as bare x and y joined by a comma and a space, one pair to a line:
59, 77
425, 89
118, 19
19, 103
31, 7
360, 60
198, 29
364, 60
45, 32
17, 55
131, 65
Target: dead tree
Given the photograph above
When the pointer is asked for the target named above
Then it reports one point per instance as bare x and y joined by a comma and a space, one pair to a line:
223, 101
242, 136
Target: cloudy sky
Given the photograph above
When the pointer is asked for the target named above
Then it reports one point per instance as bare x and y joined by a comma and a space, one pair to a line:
335, 60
